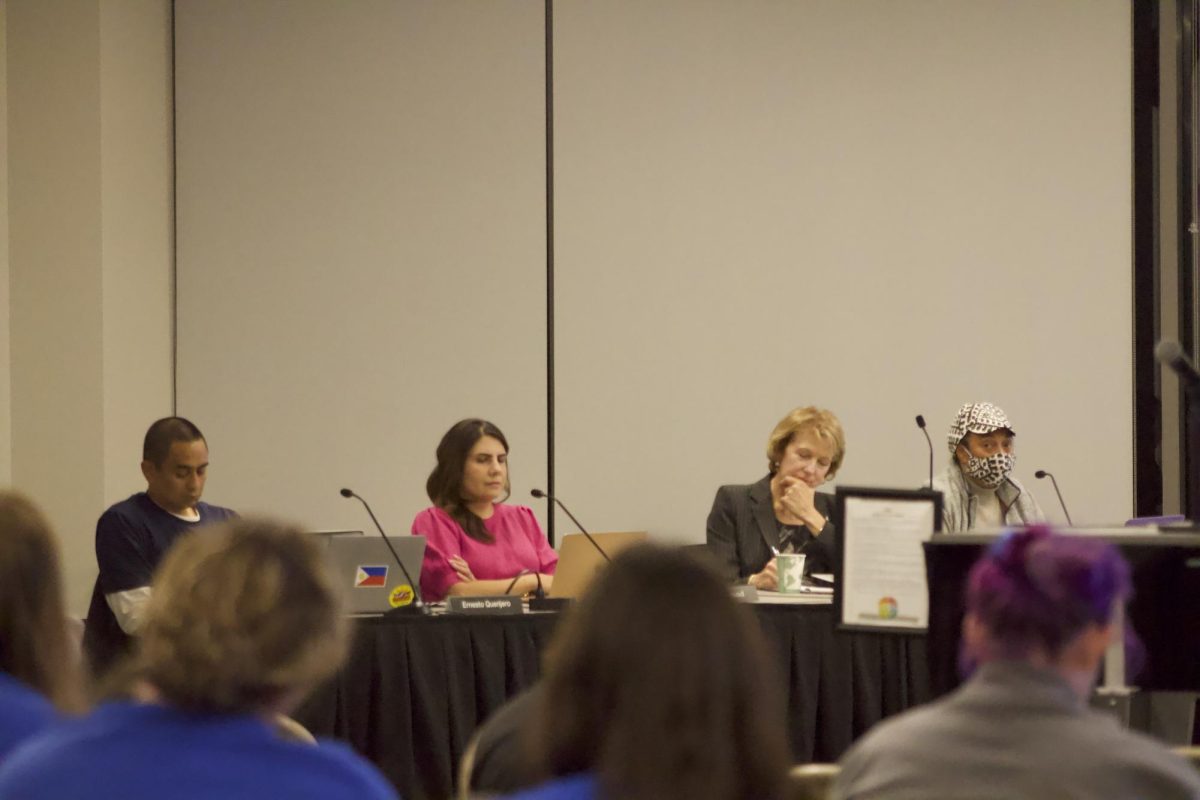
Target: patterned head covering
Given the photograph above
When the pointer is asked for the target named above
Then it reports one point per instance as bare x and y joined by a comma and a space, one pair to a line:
976, 418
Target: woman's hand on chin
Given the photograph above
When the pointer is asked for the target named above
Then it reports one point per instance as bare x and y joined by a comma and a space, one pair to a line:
795, 503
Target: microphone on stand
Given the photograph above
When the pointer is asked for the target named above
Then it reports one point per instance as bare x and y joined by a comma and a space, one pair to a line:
1041, 473
418, 605
921, 425
1171, 355
538, 493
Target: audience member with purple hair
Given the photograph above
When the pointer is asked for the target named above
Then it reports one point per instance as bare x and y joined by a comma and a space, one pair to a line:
1039, 618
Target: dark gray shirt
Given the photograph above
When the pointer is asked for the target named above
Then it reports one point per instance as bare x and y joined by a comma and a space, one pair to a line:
1011, 731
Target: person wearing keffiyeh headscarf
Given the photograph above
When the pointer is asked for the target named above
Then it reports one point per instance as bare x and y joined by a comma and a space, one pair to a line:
978, 490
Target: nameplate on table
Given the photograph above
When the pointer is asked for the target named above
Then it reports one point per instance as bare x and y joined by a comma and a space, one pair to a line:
500, 604
745, 593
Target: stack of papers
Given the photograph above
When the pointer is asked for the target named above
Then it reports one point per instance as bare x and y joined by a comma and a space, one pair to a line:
817, 597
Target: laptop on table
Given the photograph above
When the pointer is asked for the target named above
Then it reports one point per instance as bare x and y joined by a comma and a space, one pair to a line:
579, 562
365, 570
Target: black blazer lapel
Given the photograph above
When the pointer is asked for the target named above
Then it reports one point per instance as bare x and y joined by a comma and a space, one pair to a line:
764, 512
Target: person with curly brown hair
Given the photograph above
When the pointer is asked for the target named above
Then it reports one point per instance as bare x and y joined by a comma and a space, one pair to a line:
243, 622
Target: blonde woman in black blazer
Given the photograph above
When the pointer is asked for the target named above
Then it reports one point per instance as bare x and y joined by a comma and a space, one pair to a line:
783, 512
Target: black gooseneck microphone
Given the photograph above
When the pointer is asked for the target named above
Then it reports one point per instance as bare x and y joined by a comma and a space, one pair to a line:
1171, 355
921, 425
1041, 473
418, 605
538, 493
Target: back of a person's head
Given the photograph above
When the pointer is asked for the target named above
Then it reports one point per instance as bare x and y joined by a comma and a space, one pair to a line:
35, 647
1035, 590
659, 683
243, 618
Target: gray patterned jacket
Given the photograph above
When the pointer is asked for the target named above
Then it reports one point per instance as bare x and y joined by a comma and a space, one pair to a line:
958, 504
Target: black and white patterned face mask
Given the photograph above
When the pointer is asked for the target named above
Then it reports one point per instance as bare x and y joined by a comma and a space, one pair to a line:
989, 472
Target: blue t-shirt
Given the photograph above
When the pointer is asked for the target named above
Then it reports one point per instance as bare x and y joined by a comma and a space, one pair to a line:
125, 751
131, 539
580, 786
23, 713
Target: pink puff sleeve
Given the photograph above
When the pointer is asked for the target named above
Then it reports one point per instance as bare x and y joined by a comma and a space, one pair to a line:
547, 557
442, 540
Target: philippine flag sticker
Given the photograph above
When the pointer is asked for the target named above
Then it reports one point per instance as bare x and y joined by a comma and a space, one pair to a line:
370, 576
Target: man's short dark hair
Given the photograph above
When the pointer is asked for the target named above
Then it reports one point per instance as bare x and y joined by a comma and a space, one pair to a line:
164, 433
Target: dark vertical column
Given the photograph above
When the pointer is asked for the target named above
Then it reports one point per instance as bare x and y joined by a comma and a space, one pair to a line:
550, 267
1187, 65
1147, 406
1191, 453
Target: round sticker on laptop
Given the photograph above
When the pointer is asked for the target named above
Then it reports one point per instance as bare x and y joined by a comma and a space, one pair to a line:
402, 595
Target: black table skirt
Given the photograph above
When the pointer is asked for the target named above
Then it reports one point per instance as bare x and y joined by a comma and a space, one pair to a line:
414, 689
840, 684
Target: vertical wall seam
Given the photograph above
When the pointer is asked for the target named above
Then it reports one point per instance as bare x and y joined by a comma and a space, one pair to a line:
549, 78
174, 218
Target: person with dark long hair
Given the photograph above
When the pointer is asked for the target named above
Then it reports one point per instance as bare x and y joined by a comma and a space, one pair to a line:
658, 685
477, 544
39, 666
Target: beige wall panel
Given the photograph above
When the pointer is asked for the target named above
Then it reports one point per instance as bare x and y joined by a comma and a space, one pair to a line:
55, 271
5, 325
361, 251
885, 208
137, 224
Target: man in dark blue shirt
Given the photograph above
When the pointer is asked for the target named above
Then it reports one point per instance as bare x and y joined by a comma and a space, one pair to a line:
133, 536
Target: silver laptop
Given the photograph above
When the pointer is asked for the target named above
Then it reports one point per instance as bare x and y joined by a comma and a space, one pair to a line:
366, 571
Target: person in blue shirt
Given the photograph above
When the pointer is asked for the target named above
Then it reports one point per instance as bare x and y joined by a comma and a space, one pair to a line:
658, 685
243, 622
133, 536
39, 666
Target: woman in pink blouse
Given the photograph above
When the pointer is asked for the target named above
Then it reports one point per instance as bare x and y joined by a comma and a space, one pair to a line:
477, 545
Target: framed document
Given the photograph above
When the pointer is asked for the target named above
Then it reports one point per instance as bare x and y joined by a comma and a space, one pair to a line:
881, 583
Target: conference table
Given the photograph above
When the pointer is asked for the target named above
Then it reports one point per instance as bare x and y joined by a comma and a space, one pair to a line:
415, 688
